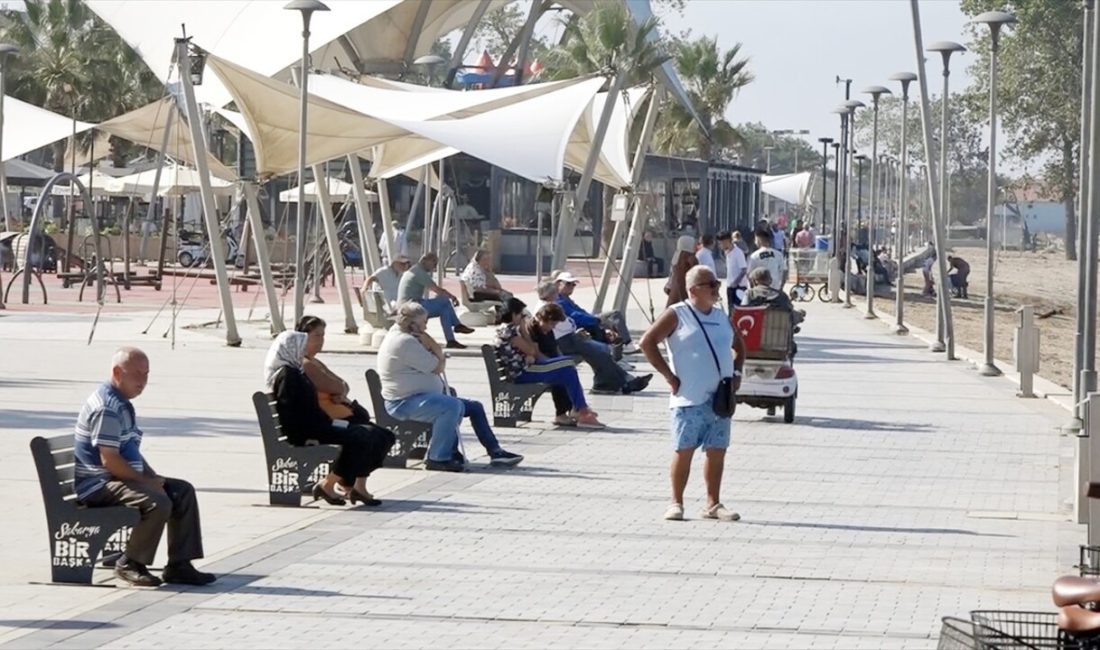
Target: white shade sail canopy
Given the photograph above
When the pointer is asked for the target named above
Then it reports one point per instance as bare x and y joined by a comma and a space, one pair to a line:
98, 182
269, 110
528, 138
338, 192
614, 165
175, 180
259, 34
792, 188
28, 127
145, 127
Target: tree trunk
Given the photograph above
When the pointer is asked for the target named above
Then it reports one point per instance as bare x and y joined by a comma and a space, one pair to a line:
1069, 199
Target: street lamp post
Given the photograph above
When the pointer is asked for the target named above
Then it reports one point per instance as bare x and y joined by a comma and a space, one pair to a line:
904, 78
876, 92
306, 7
836, 189
996, 20
851, 105
768, 158
1087, 55
6, 50
825, 142
945, 336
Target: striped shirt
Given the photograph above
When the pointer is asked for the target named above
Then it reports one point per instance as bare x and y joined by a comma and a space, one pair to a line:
106, 420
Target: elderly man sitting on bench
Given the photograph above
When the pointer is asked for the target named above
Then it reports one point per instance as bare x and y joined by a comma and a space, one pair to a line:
110, 470
608, 327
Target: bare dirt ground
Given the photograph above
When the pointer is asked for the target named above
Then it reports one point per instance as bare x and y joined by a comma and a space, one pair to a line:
1046, 280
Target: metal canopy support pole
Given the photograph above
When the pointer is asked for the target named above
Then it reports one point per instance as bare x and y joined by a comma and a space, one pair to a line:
209, 211
569, 214
386, 212
126, 220
8, 224
263, 260
935, 208
464, 42
1082, 207
621, 227
903, 193
1092, 228
638, 219
328, 220
426, 206
371, 257
869, 285
152, 214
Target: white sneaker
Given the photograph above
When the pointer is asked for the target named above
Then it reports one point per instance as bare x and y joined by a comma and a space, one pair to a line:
719, 512
675, 512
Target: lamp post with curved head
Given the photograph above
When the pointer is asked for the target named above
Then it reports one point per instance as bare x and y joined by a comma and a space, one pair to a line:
996, 20
768, 158
839, 196
945, 335
1087, 54
876, 92
836, 188
905, 78
825, 142
850, 152
306, 7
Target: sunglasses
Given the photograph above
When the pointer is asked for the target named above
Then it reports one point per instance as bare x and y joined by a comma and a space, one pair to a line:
713, 284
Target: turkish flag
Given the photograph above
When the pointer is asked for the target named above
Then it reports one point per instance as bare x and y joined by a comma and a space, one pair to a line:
749, 324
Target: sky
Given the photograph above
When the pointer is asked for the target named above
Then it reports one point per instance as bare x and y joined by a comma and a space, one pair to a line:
799, 47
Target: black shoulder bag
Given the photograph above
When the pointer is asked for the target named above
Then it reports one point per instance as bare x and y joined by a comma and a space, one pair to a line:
725, 400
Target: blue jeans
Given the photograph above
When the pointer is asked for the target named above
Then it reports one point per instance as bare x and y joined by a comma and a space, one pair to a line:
440, 307
444, 413
608, 374
556, 371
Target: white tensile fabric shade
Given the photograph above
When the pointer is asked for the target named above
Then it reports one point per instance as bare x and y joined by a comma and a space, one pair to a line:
260, 34
338, 192
28, 127
792, 188
145, 127
613, 168
100, 184
269, 109
385, 38
174, 181
528, 138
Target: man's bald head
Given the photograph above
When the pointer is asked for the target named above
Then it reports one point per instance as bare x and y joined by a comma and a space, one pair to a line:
129, 371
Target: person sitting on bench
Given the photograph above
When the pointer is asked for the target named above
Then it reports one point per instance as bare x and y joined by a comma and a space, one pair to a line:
607, 327
388, 278
480, 280
521, 358
416, 282
363, 446
110, 470
959, 273
411, 366
332, 391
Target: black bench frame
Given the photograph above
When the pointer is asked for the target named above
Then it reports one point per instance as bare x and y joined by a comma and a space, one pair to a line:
78, 535
412, 436
292, 470
512, 402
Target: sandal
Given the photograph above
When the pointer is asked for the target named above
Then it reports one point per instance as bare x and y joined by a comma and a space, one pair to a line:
719, 512
589, 421
565, 420
675, 512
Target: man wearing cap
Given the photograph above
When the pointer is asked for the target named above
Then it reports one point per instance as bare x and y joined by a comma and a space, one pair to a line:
608, 327
388, 278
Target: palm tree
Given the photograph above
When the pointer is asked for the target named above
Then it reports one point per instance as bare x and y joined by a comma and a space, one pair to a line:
712, 79
608, 41
71, 63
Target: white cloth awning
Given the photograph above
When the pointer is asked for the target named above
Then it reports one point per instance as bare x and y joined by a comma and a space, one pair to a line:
100, 184
258, 34
174, 181
28, 127
338, 192
613, 168
145, 127
792, 188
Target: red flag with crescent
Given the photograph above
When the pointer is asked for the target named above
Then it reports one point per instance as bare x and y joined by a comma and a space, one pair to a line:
749, 324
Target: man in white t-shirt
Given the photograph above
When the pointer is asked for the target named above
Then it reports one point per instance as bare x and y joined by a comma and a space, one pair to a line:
705, 253
767, 257
737, 268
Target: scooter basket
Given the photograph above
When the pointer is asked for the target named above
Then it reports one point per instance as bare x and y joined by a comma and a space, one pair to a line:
1009, 629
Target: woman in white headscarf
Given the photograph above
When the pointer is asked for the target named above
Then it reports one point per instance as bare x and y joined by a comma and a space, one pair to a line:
363, 447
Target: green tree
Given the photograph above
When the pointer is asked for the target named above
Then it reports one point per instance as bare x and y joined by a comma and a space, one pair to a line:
607, 41
967, 154
1039, 89
712, 79
751, 150
72, 63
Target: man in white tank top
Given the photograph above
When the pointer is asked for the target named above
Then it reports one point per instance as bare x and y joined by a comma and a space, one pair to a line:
701, 343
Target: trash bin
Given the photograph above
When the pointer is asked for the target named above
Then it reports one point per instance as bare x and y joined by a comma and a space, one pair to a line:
822, 243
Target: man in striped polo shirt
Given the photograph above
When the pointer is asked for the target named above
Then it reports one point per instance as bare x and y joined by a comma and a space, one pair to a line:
110, 470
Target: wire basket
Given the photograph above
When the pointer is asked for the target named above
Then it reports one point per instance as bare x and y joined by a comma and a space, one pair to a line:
1011, 629
959, 634
1090, 561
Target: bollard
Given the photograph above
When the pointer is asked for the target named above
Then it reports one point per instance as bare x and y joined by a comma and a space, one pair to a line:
1025, 350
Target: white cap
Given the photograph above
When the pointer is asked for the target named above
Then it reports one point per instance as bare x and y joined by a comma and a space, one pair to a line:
686, 244
566, 277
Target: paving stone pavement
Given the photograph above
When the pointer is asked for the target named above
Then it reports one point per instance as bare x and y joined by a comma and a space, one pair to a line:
908, 489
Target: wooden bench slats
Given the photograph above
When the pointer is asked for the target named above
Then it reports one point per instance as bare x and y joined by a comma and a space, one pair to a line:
291, 470
512, 402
